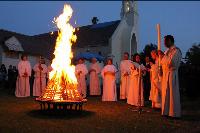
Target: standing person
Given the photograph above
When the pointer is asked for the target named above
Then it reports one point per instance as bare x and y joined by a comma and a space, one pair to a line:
3, 74
170, 84
39, 84
155, 93
15, 74
135, 95
94, 71
146, 78
108, 74
81, 72
125, 75
22, 84
10, 78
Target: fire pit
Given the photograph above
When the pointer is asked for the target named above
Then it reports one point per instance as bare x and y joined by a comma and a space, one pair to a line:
58, 105
61, 91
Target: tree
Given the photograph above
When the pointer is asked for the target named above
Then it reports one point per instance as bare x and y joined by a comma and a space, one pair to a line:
95, 20
147, 51
148, 48
193, 55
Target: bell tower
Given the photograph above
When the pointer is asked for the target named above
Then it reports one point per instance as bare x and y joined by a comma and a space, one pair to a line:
125, 37
129, 10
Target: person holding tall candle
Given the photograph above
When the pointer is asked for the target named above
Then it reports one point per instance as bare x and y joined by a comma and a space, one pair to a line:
170, 85
155, 93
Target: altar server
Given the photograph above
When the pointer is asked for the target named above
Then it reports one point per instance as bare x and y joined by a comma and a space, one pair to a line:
155, 92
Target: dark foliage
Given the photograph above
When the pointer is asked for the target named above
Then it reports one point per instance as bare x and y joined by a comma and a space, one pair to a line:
193, 55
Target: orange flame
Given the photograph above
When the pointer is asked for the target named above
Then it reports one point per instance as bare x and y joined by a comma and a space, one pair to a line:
63, 82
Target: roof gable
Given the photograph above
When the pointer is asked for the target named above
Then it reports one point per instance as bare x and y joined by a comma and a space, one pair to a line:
13, 44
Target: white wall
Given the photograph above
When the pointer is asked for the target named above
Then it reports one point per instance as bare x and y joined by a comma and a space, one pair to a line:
9, 61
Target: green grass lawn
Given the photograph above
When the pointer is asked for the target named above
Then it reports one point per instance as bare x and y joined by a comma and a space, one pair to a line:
23, 115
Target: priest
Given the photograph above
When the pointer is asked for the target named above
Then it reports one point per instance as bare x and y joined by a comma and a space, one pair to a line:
170, 84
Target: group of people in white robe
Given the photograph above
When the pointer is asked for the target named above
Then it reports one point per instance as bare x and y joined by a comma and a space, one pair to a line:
40, 77
164, 92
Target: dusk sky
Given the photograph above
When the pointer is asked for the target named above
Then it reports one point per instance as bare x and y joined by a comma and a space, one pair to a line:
181, 18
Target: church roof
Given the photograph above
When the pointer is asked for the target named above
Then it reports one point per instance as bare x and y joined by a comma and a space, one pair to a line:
43, 44
90, 35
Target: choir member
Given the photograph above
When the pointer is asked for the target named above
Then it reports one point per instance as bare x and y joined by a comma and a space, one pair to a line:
94, 71
125, 75
108, 74
81, 72
24, 73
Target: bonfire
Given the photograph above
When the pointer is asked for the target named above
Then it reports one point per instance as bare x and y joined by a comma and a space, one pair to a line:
62, 84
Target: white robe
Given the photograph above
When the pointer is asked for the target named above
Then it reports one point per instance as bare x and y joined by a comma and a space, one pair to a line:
170, 84
94, 79
155, 92
124, 84
40, 79
22, 83
109, 83
82, 87
135, 93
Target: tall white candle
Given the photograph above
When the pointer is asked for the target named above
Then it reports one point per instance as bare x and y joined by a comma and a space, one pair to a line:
159, 36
